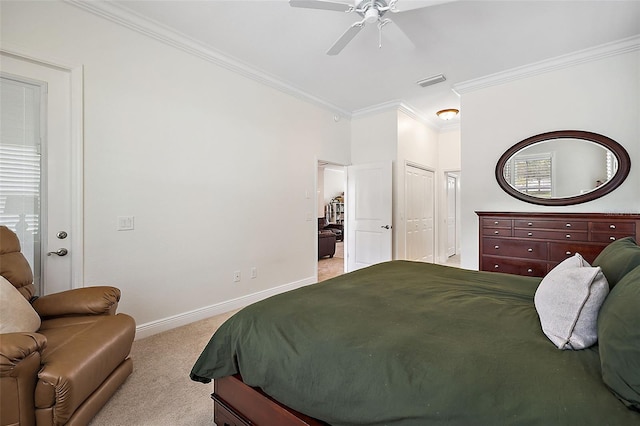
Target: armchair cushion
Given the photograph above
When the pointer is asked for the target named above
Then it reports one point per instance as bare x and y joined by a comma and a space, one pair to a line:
17, 314
81, 301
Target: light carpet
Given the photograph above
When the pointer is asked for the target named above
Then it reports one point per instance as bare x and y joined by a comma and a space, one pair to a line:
160, 392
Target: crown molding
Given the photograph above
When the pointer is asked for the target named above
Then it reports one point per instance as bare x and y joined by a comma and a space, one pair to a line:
398, 105
565, 61
173, 38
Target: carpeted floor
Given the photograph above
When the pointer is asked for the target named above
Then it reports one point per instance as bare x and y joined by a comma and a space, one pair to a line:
160, 392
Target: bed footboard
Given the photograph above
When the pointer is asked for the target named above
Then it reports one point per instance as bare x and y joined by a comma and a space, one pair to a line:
237, 404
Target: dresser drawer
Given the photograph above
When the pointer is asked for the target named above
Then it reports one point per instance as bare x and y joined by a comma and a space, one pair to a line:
564, 235
561, 251
628, 228
552, 224
496, 222
514, 248
514, 266
601, 237
498, 232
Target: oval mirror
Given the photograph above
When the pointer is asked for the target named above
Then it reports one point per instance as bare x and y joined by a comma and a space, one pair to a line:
563, 167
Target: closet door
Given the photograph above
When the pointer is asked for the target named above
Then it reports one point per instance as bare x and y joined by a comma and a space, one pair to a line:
420, 214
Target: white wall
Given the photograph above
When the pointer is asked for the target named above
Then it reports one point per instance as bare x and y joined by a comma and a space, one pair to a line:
209, 162
601, 96
334, 183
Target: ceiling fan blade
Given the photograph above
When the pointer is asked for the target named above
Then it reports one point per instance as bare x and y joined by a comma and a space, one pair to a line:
407, 5
320, 4
345, 38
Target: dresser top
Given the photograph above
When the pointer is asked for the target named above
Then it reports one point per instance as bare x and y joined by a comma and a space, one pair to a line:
550, 215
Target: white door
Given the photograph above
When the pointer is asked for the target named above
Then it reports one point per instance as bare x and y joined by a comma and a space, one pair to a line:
36, 128
369, 210
452, 202
420, 214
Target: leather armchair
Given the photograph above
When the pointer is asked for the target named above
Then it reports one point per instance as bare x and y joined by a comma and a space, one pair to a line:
67, 370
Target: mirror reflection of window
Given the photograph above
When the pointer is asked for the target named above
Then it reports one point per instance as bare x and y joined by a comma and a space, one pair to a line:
531, 174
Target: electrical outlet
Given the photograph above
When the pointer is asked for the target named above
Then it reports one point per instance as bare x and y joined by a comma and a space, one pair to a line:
236, 276
254, 272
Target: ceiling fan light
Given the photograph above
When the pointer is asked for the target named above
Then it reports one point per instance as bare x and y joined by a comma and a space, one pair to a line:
447, 114
371, 15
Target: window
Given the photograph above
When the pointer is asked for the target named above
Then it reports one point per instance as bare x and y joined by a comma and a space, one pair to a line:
20, 166
531, 174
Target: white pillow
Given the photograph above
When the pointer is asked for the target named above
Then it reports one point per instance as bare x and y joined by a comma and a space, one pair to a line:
18, 316
568, 301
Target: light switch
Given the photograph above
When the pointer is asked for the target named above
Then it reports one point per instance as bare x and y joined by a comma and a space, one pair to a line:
125, 223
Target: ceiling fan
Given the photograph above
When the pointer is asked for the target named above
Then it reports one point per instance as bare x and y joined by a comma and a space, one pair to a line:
371, 11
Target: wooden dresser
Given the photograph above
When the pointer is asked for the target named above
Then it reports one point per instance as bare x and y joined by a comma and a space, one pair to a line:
533, 243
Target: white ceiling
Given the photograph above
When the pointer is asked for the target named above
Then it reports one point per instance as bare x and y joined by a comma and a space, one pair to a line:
463, 40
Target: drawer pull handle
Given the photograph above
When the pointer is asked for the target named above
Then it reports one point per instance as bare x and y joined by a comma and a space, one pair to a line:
529, 250
529, 270
568, 225
496, 247
530, 224
568, 236
612, 238
612, 227
568, 253
496, 266
496, 222
529, 234
496, 232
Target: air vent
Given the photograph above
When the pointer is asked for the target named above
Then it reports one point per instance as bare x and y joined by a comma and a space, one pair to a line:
431, 80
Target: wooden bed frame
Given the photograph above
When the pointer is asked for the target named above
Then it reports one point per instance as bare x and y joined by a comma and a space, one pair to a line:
237, 404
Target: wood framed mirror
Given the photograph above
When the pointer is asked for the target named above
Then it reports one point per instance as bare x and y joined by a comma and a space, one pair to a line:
562, 168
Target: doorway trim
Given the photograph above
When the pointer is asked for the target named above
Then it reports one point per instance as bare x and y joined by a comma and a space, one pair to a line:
77, 149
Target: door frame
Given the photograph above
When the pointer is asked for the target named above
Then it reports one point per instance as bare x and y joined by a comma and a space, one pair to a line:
77, 150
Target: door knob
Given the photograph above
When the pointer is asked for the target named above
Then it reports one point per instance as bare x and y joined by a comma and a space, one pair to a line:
59, 252
385, 226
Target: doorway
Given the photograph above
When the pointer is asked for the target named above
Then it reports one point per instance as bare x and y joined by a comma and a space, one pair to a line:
452, 202
331, 215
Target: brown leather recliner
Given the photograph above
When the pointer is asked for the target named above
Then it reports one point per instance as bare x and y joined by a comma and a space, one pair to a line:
66, 371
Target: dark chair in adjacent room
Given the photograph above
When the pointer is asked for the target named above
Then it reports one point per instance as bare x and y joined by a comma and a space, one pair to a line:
326, 243
336, 228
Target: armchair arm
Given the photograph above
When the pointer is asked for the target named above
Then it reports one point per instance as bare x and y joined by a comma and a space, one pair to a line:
15, 347
19, 366
81, 301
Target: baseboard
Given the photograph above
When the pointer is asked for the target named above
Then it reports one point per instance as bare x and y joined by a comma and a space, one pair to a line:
165, 324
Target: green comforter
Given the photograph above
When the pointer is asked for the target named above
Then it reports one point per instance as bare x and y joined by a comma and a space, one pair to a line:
404, 343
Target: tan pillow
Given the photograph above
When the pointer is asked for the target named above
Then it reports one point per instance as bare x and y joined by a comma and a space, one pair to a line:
17, 314
568, 300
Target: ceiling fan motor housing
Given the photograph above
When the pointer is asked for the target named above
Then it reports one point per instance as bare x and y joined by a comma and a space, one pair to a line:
371, 10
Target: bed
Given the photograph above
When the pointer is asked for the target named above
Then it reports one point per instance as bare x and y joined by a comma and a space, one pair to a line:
409, 343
